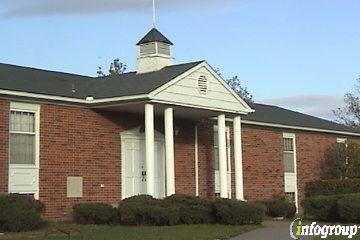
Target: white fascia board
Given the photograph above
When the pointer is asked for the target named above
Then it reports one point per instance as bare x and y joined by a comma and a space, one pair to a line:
211, 70
299, 128
274, 125
69, 99
197, 107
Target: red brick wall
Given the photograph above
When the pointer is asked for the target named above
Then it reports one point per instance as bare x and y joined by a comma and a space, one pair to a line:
184, 158
81, 142
4, 145
205, 160
77, 141
310, 150
262, 162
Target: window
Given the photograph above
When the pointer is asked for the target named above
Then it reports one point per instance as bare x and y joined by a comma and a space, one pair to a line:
216, 149
216, 161
22, 137
343, 142
289, 154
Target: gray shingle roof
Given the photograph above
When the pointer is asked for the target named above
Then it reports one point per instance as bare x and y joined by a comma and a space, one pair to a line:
277, 115
134, 84
154, 36
33, 80
38, 81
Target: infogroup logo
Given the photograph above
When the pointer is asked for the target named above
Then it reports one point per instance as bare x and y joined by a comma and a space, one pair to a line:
298, 230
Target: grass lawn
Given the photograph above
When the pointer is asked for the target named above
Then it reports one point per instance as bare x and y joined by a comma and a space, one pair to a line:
198, 232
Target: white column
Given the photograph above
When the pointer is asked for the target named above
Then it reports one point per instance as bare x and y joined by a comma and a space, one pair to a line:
169, 151
239, 185
222, 156
149, 146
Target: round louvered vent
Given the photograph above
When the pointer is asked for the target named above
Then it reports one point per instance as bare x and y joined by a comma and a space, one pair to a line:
203, 85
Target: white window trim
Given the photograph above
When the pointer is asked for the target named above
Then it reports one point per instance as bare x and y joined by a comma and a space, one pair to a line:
33, 108
293, 136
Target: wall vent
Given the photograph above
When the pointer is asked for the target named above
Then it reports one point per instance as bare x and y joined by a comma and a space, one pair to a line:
203, 85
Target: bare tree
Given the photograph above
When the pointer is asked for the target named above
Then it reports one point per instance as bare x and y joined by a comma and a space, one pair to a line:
116, 68
350, 113
100, 72
235, 84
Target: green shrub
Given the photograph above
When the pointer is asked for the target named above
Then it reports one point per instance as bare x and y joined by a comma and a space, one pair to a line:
192, 210
145, 210
140, 199
279, 207
20, 213
332, 187
94, 213
323, 208
233, 212
349, 208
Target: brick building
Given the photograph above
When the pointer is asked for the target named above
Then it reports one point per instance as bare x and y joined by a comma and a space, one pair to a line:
161, 130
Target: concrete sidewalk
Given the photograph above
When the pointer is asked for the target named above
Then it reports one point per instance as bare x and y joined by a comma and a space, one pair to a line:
272, 230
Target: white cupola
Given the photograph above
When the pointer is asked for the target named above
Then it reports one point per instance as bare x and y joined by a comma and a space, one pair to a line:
154, 52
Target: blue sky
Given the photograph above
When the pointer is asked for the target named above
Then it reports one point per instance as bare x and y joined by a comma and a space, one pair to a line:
303, 55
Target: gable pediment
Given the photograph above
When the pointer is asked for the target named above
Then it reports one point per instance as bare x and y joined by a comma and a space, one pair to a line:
201, 87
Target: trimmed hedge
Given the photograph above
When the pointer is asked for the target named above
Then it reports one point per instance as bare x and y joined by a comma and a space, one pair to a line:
234, 212
19, 213
95, 213
344, 207
322, 208
279, 207
145, 210
192, 210
332, 187
349, 208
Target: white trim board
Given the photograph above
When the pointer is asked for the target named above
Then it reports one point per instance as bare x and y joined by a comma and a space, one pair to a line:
299, 128
196, 106
70, 99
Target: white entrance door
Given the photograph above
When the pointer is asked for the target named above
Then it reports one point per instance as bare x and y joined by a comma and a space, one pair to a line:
134, 164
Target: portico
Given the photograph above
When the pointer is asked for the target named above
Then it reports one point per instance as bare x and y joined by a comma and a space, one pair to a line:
152, 112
